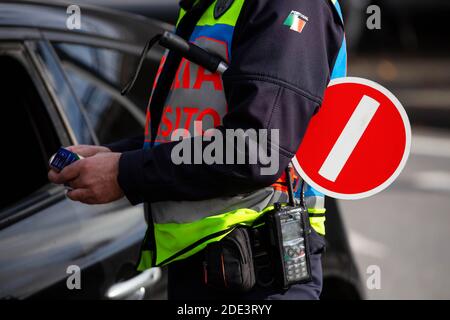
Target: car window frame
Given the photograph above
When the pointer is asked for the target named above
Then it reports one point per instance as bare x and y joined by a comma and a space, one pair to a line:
55, 37
102, 83
49, 193
36, 48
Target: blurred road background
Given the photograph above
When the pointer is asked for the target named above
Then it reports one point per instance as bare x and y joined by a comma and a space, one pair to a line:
405, 229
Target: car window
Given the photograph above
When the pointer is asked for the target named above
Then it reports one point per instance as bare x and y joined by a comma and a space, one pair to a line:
27, 134
97, 76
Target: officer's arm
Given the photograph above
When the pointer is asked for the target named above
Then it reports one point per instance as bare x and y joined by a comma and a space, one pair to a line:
276, 80
129, 144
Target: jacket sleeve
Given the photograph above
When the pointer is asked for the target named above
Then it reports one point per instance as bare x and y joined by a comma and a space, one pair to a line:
276, 80
125, 145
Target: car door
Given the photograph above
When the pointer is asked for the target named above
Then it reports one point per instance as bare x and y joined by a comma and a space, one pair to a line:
51, 246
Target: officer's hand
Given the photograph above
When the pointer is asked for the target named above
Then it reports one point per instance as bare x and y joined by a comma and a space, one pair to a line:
93, 179
87, 150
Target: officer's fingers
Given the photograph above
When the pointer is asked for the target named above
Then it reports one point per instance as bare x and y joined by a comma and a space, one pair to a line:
73, 148
83, 150
77, 183
70, 172
81, 195
53, 176
87, 151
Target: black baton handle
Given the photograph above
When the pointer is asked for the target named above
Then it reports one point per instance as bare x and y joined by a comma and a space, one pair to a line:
191, 52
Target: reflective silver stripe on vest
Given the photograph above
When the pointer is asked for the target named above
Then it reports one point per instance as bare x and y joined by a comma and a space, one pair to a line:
190, 211
315, 202
196, 95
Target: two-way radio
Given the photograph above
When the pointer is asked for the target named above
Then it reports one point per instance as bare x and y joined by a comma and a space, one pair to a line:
288, 230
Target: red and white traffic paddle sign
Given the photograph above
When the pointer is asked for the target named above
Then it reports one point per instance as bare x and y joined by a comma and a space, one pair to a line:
358, 143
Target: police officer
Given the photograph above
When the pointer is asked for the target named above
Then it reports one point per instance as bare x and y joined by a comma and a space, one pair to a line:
281, 56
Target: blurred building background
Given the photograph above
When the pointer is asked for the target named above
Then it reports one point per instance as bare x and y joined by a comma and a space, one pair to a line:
405, 229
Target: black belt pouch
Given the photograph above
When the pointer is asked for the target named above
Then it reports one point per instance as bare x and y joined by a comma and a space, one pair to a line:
228, 264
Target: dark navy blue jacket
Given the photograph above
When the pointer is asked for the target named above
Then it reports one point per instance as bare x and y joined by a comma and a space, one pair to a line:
276, 80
